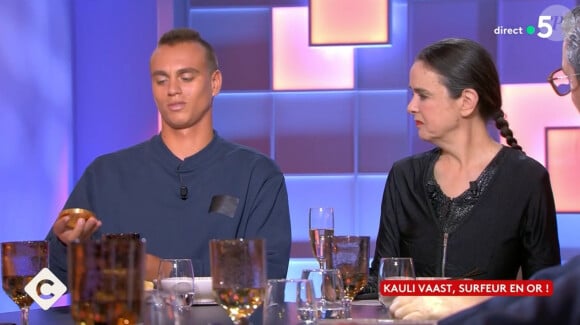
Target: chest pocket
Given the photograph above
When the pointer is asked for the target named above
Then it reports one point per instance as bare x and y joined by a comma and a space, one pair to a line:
224, 204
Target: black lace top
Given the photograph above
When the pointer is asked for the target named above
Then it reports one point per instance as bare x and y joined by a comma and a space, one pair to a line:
505, 221
451, 212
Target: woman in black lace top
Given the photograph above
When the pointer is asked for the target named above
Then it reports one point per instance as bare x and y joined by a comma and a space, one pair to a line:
471, 205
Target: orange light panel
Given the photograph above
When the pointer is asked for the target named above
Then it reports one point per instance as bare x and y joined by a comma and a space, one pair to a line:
296, 66
348, 22
530, 109
563, 160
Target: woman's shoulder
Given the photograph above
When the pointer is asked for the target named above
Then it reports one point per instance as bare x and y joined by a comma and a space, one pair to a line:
518, 160
417, 161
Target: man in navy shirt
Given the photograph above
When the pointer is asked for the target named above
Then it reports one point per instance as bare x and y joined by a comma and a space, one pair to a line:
185, 185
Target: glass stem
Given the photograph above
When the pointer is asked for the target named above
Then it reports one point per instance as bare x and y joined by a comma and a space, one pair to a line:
347, 303
24, 316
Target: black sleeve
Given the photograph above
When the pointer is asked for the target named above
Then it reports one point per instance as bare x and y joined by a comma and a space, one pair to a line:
540, 232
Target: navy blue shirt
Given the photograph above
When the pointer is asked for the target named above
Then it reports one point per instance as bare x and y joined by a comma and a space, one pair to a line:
232, 192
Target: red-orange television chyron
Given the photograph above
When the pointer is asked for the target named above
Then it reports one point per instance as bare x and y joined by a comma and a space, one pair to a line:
466, 288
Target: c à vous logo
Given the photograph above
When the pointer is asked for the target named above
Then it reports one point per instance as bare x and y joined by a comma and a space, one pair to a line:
45, 288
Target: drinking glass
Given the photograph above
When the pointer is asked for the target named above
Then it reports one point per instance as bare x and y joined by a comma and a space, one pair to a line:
84, 262
394, 268
289, 301
106, 279
350, 255
123, 280
328, 292
321, 231
21, 261
238, 272
175, 281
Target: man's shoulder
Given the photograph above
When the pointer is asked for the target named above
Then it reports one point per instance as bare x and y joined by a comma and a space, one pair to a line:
133, 153
246, 154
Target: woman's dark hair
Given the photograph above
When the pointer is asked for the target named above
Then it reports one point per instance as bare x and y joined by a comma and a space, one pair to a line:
463, 64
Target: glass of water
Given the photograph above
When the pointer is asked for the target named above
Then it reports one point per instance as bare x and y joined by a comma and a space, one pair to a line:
328, 292
175, 281
289, 301
395, 268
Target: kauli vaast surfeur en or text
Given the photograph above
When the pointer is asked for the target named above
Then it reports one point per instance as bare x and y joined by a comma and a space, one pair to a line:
466, 287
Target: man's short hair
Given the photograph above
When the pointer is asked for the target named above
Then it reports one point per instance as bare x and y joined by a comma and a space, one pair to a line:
184, 35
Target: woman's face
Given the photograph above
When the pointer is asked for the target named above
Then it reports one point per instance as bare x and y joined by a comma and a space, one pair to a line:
436, 114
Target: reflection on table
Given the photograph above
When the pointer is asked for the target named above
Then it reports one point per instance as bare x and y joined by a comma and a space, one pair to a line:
363, 312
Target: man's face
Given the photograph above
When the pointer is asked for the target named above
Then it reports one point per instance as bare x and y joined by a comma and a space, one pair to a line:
183, 86
569, 71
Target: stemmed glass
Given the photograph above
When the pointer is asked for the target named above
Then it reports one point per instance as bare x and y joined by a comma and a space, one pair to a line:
321, 231
175, 281
238, 272
350, 255
21, 261
395, 268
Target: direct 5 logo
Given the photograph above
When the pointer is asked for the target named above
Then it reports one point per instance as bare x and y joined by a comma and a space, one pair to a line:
549, 25
45, 288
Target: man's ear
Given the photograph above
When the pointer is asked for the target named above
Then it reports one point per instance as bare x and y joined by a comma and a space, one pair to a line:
469, 101
216, 82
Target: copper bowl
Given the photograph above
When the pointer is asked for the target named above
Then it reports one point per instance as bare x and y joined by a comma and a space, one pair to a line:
75, 214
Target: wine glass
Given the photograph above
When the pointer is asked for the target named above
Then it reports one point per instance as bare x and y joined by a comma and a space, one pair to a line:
321, 230
21, 261
350, 255
175, 281
395, 268
238, 272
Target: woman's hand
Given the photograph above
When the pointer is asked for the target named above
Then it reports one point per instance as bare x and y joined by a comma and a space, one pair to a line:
431, 307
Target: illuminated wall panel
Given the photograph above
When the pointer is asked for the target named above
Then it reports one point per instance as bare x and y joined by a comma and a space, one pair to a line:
568, 225
245, 118
430, 21
36, 117
245, 3
242, 43
319, 191
526, 58
563, 162
296, 66
386, 67
315, 132
348, 22
530, 108
383, 139
368, 211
